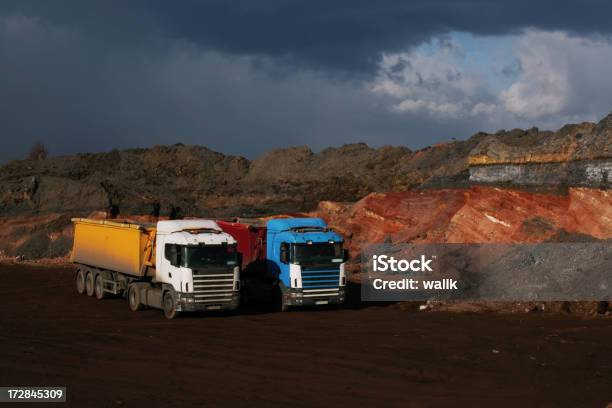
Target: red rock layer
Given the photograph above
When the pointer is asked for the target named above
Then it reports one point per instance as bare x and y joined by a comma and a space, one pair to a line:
475, 215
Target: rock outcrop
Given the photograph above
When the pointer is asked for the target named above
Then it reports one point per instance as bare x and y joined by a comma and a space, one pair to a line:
474, 215
576, 155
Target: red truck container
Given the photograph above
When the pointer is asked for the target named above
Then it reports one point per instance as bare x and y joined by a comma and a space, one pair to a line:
251, 242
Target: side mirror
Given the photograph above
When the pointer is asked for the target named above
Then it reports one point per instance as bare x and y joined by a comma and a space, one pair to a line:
239, 259
284, 253
284, 256
172, 254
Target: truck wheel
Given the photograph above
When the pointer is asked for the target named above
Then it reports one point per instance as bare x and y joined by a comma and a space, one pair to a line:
170, 311
80, 282
280, 300
244, 295
134, 299
99, 288
89, 284
284, 306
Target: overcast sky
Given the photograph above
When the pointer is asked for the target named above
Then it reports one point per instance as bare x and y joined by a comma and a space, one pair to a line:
242, 77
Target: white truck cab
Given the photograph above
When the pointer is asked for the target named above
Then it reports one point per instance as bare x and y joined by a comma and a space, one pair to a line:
200, 263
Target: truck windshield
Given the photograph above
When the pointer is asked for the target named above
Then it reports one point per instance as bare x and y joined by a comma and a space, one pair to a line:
210, 255
317, 253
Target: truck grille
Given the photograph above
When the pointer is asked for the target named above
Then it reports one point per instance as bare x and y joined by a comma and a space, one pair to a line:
213, 287
320, 282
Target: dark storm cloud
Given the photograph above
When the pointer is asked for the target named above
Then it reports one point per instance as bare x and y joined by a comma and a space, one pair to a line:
351, 34
345, 34
91, 75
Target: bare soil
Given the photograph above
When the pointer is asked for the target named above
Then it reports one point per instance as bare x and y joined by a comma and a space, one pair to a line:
379, 355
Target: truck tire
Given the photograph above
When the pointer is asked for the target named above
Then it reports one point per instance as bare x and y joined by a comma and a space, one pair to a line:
80, 282
169, 305
134, 299
280, 299
284, 307
89, 284
99, 288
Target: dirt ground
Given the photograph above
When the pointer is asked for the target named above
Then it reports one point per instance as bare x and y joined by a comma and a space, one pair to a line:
108, 356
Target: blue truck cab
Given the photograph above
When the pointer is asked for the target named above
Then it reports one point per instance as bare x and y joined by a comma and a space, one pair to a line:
308, 260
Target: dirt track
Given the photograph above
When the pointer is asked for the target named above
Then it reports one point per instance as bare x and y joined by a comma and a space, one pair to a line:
109, 356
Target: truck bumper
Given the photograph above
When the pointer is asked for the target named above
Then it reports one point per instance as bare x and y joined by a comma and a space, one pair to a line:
187, 302
295, 297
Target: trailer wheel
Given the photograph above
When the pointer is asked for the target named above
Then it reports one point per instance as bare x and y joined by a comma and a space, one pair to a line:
170, 311
80, 282
89, 284
99, 288
134, 299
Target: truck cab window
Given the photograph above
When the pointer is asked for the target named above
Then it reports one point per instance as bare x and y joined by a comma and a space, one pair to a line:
210, 255
318, 253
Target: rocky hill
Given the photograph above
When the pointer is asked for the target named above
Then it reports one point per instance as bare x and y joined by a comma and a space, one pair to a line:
181, 180
194, 180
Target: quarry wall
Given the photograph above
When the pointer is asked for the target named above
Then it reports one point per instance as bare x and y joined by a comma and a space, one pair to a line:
583, 173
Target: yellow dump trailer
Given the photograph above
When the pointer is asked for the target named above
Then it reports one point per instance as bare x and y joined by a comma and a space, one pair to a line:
124, 247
